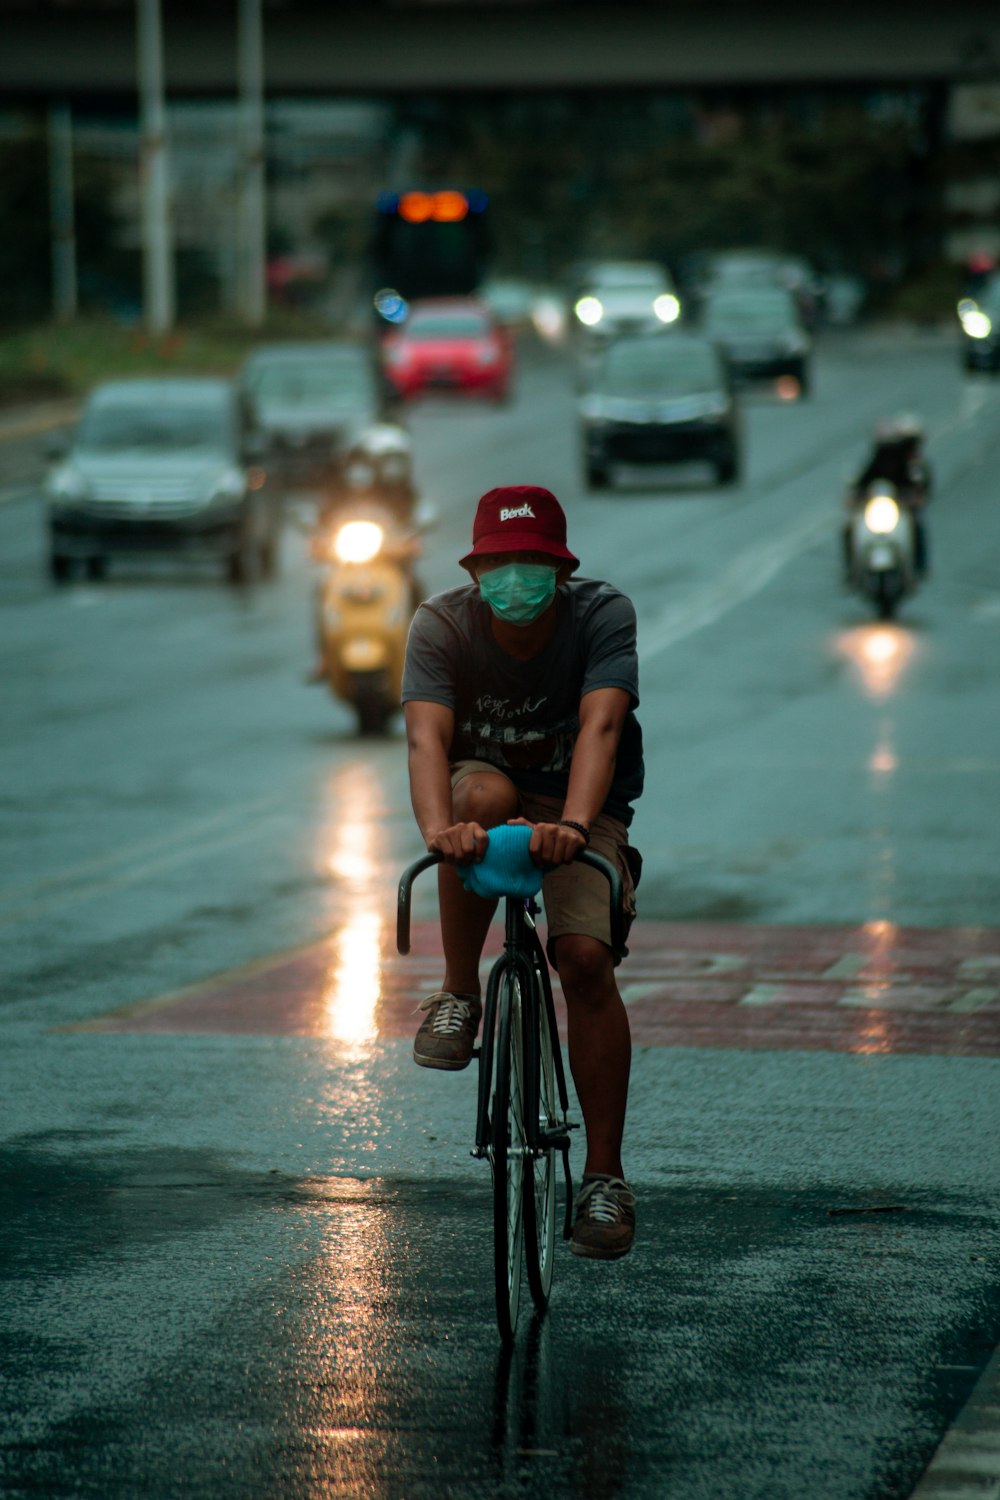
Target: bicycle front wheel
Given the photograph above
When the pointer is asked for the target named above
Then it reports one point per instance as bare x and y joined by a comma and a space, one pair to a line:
508, 1157
540, 1171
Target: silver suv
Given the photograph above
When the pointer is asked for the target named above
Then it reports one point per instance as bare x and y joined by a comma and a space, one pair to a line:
625, 296
162, 465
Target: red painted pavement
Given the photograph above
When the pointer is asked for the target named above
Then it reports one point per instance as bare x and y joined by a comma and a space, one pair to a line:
871, 989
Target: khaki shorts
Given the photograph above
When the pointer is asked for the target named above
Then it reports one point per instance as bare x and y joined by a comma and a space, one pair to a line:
576, 898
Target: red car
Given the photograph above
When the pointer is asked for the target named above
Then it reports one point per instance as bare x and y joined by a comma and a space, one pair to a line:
449, 343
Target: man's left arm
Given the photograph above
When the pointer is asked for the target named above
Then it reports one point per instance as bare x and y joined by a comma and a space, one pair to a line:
602, 718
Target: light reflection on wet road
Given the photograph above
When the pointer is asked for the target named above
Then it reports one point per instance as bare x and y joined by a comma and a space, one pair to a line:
244, 1250
757, 1343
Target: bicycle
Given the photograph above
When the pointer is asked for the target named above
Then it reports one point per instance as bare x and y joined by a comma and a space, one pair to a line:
521, 1118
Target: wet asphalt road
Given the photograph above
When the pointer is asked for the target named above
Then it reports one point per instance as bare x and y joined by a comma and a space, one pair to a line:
246, 1265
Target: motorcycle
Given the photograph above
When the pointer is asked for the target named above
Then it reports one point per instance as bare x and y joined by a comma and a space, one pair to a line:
882, 548
366, 599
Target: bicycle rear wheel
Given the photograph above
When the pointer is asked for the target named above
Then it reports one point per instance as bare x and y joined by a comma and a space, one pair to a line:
507, 1152
540, 1171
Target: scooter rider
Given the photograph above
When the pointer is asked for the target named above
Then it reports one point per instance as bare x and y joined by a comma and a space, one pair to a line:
896, 457
376, 471
377, 467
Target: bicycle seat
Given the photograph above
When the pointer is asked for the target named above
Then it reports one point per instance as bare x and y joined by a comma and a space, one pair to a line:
506, 869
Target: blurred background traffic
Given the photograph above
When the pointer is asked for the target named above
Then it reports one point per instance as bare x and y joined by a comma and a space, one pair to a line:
253, 244
251, 240
250, 158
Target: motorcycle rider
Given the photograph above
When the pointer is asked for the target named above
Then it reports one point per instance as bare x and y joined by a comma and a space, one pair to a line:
897, 457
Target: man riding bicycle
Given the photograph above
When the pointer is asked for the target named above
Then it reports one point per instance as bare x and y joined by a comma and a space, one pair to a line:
519, 692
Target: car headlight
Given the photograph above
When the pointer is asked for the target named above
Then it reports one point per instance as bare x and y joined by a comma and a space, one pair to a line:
229, 485
590, 311
549, 318
881, 514
66, 484
592, 411
358, 541
667, 308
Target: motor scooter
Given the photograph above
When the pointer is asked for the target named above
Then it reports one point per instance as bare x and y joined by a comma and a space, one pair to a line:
366, 598
881, 561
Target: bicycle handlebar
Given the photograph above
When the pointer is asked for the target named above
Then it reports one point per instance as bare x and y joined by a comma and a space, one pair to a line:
584, 857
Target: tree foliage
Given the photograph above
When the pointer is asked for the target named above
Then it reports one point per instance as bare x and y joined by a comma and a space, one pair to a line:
849, 190
26, 245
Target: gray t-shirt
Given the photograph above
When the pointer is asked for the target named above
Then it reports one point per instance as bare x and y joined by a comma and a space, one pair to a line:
523, 716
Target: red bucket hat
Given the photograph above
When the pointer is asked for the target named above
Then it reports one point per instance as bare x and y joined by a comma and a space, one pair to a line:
519, 518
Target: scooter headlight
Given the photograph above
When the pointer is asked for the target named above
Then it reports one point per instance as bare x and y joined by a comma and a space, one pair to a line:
881, 514
977, 324
358, 541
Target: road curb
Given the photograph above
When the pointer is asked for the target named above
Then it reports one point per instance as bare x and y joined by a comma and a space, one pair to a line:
29, 421
966, 1465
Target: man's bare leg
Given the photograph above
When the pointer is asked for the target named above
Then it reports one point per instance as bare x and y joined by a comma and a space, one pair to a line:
465, 917
600, 1047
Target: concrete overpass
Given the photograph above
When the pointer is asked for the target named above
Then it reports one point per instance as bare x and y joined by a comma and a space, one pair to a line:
85, 49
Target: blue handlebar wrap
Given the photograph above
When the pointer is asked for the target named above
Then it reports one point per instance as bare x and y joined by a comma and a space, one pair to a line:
506, 869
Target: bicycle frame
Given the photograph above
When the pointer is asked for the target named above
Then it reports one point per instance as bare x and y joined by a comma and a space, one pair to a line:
511, 1132
523, 954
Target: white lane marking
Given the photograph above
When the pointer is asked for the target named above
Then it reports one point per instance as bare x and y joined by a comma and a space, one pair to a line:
966, 1465
973, 1000
630, 993
18, 492
751, 572
848, 967
195, 834
139, 873
40, 419
744, 577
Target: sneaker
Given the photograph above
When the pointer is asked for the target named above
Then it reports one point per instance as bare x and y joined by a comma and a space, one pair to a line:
447, 1035
604, 1227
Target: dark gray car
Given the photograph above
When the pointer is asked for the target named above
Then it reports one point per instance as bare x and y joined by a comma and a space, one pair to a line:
980, 320
161, 465
310, 401
760, 332
660, 398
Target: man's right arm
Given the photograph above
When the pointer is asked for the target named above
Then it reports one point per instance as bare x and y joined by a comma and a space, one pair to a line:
429, 731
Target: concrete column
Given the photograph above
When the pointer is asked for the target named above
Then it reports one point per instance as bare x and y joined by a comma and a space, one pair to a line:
157, 247
253, 210
61, 214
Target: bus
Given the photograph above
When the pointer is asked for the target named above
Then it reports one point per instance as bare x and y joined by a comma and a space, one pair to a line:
428, 244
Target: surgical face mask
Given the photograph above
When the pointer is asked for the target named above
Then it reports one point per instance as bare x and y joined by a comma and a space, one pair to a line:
519, 592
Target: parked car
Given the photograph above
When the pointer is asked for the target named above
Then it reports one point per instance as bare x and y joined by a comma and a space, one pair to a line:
615, 297
452, 344
310, 401
162, 465
660, 398
758, 328
980, 320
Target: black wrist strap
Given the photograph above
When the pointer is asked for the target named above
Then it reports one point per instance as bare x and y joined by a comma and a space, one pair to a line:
576, 827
